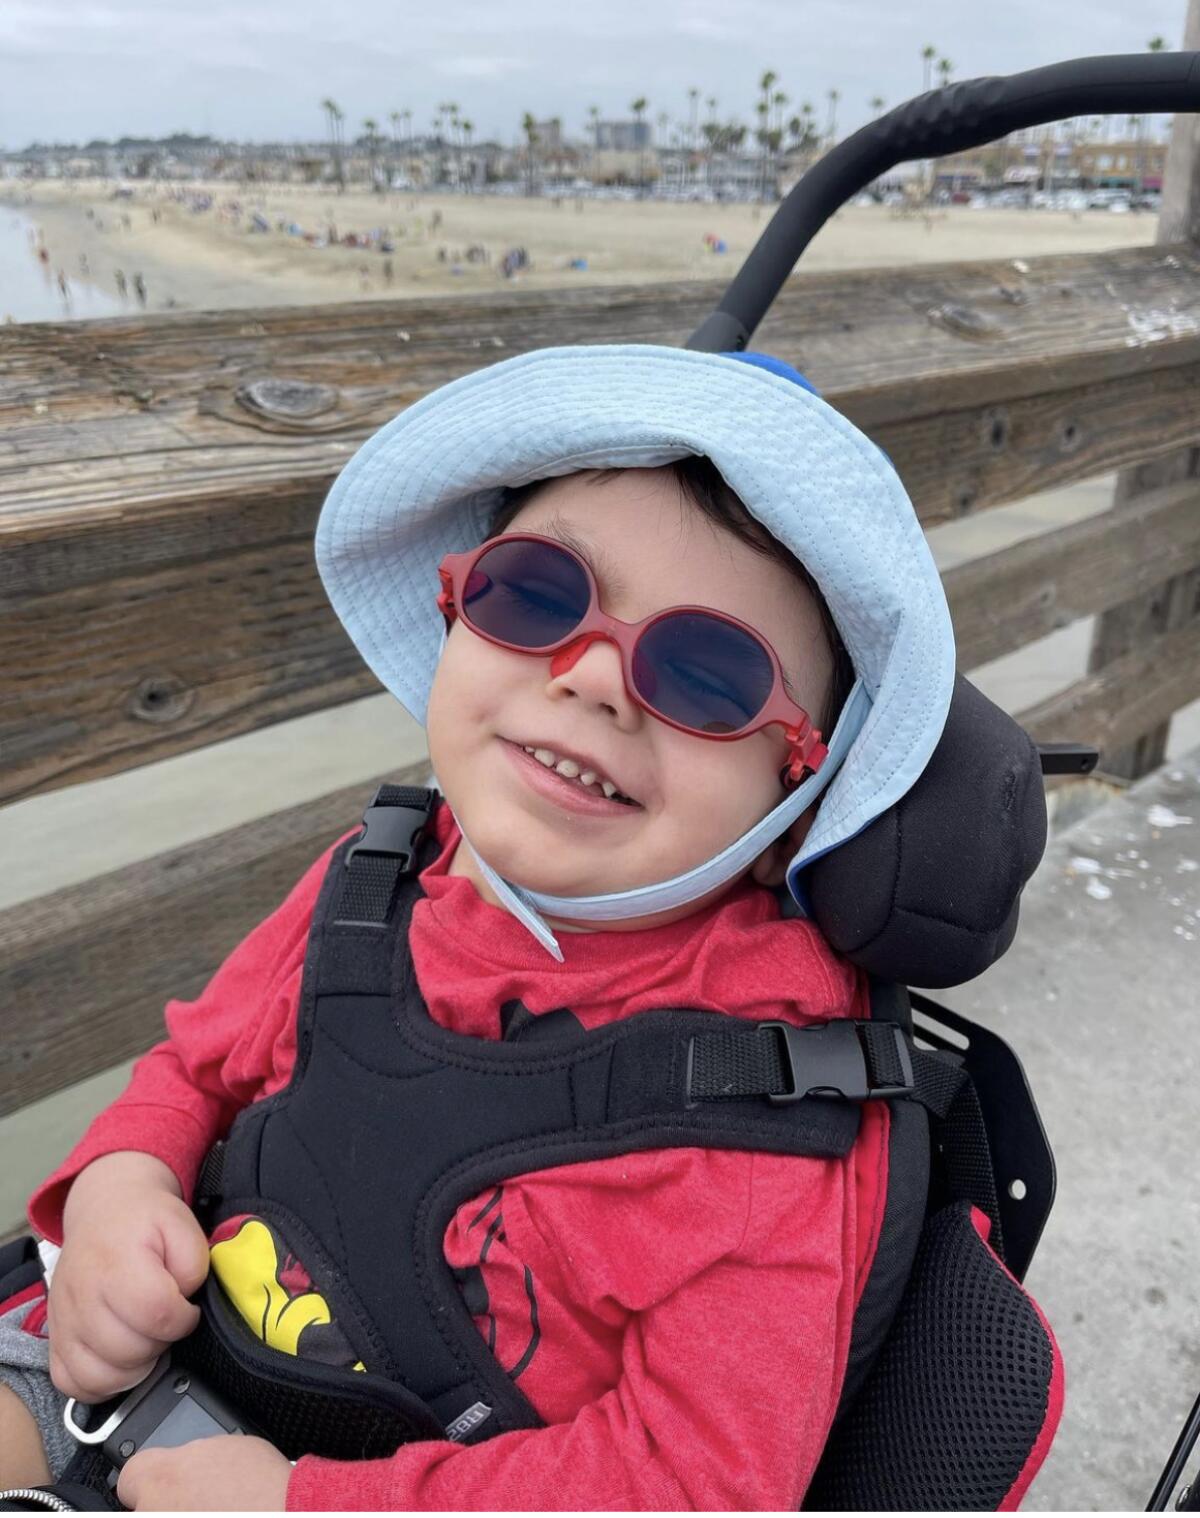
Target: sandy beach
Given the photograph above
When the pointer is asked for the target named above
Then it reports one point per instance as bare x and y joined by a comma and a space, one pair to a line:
196, 246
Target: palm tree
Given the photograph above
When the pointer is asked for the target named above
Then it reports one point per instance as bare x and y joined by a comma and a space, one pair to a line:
467, 128
693, 113
334, 119
394, 118
763, 111
662, 121
529, 127
877, 103
638, 108
455, 146
928, 54
371, 130
945, 68
760, 136
831, 127
710, 132
594, 120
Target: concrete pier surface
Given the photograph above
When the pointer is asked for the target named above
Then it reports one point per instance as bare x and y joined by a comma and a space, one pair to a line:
1099, 995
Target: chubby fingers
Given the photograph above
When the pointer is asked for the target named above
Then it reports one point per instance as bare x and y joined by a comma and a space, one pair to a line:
105, 1335
148, 1300
78, 1371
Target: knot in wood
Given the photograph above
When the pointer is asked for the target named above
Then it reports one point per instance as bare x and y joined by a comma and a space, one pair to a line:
996, 428
965, 321
1070, 436
287, 400
161, 698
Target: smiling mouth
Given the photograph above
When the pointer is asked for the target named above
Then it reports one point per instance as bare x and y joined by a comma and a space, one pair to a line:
572, 770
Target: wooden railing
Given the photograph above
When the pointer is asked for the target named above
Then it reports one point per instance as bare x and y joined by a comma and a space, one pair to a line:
158, 593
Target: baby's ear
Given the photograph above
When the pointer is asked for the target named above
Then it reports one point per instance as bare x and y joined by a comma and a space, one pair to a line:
770, 868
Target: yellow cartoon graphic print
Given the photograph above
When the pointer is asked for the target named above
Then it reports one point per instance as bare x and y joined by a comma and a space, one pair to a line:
274, 1293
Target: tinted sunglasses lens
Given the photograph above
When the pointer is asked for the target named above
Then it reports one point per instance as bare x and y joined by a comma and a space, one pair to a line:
702, 673
528, 594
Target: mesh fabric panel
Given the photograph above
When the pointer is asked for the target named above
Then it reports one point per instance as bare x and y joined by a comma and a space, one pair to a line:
954, 1405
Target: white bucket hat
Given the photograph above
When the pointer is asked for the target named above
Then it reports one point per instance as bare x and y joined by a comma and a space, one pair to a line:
429, 482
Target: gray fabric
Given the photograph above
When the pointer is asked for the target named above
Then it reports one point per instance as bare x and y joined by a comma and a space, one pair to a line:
24, 1365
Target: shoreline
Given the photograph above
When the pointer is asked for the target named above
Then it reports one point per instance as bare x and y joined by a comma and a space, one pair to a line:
198, 256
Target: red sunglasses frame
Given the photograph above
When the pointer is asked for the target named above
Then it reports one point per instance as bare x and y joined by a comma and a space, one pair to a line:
805, 749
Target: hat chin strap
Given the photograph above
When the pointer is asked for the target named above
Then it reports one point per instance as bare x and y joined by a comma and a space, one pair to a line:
645, 901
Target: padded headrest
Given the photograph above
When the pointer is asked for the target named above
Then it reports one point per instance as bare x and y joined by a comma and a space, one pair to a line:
928, 893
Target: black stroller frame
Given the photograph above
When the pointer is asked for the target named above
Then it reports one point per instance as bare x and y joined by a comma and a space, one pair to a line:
941, 122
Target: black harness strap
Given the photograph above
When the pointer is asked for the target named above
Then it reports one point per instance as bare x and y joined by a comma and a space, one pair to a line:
393, 828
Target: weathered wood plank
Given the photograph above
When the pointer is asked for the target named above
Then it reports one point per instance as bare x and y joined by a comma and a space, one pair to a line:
128, 413
1170, 605
106, 675
1129, 695
85, 972
1013, 597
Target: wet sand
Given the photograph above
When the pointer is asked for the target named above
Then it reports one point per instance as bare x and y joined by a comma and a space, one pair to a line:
211, 259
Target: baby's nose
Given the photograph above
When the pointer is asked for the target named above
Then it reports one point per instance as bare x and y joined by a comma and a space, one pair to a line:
590, 670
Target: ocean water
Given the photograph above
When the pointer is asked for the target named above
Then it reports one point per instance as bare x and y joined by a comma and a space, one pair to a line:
29, 289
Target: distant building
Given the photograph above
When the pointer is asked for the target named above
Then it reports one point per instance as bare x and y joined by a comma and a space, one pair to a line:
622, 136
549, 135
1043, 160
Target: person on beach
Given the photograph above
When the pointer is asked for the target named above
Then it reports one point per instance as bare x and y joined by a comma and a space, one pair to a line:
680, 599
139, 289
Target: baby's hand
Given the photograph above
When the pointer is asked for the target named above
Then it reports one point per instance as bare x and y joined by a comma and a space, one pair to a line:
132, 1255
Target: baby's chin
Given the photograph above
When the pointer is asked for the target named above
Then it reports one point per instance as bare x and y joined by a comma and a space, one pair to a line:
569, 868
579, 870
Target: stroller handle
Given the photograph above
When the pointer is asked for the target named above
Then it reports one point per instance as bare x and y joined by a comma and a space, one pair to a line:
948, 120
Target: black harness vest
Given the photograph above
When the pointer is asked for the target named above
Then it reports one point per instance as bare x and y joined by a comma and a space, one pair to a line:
390, 1122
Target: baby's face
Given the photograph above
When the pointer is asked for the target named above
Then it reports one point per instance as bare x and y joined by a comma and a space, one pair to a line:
648, 549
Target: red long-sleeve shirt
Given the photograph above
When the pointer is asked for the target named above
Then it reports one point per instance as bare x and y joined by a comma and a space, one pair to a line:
680, 1319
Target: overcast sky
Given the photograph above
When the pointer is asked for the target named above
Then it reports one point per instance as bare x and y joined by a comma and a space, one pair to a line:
75, 69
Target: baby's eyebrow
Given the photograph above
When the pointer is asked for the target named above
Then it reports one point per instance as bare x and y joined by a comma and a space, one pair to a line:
600, 564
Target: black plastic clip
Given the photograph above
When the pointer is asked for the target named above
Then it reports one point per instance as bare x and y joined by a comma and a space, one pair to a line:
391, 830
1068, 758
828, 1059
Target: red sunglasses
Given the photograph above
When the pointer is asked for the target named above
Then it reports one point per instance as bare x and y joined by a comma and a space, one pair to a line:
696, 669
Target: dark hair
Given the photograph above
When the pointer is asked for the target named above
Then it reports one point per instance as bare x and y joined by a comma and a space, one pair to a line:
701, 483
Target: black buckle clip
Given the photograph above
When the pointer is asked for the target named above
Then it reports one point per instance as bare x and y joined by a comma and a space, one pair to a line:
391, 830
828, 1059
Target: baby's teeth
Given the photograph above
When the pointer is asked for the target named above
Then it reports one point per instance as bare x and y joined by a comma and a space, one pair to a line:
569, 770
